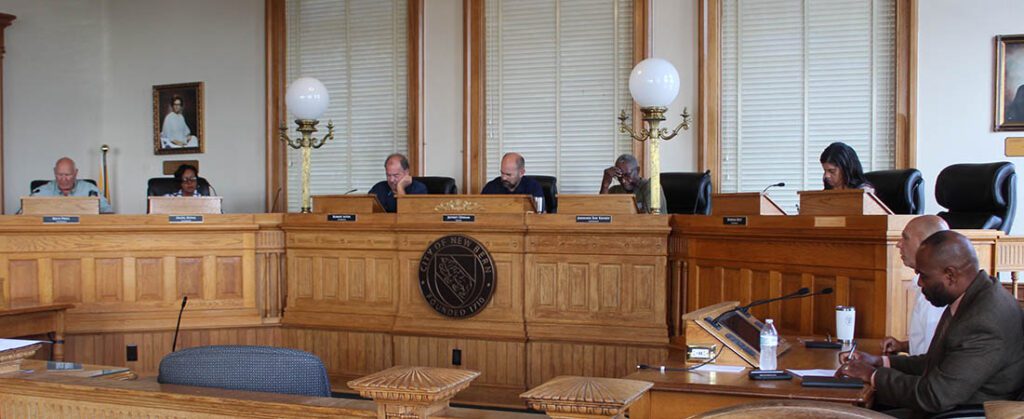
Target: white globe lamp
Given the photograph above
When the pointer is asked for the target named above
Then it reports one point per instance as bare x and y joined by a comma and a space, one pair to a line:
654, 82
307, 98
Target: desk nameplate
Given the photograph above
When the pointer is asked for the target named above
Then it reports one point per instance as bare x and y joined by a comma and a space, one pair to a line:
185, 219
458, 218
591, 219
349, 218
60, 219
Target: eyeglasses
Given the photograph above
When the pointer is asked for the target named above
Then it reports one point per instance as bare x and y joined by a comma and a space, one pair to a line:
189, 179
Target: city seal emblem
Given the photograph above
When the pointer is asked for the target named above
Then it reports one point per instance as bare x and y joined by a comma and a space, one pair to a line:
457, 276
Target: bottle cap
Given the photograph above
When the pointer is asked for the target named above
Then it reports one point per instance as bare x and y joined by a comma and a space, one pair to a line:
769, 321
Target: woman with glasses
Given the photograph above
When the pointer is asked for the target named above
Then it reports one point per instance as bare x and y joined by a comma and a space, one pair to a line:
187, 177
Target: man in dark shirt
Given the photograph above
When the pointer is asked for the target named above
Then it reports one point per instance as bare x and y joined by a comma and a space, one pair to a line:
398, 183
512, 179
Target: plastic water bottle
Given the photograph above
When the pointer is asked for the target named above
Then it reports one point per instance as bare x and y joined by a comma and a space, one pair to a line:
769, 345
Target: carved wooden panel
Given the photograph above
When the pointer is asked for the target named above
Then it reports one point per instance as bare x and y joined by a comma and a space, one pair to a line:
344, 354
67, 280
501, 364
108, 280
229, 277
189, 277
300, 274
551, 359
599, 290
109, 348
24, 277
149, 279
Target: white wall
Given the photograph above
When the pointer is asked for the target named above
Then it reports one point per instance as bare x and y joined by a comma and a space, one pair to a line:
956, 84
80, 74
674, 31
442, 89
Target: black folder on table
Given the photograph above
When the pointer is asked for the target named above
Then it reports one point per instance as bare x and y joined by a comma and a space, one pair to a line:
825, 381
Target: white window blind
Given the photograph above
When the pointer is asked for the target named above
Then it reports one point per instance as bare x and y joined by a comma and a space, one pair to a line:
798, 75
357, 48
557, 75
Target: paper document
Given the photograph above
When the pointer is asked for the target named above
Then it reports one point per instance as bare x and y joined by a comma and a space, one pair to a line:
824, 373
720, 368
8, 344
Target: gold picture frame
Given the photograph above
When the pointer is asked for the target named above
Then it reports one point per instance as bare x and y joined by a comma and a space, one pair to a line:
178, 130
1009, 94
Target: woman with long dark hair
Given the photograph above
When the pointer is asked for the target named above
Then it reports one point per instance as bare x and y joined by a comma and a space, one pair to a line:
842, 169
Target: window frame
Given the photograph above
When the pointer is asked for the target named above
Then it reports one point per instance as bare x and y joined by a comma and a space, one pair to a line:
276, 192
709, 87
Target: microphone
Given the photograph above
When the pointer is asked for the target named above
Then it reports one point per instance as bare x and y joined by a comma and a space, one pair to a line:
212, 189
350, 191
177, 327
774, 185
800, 293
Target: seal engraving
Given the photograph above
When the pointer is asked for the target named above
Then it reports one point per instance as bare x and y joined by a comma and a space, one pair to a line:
457, 276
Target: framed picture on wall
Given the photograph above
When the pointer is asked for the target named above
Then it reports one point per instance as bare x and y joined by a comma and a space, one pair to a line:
1009, 83
178, 118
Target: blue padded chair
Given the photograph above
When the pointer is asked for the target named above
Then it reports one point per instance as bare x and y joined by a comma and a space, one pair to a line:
250, 368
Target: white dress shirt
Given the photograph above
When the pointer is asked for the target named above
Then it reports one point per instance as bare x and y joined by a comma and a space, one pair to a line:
922, 322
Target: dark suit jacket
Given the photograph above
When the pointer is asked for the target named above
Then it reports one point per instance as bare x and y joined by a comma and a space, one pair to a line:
975, 356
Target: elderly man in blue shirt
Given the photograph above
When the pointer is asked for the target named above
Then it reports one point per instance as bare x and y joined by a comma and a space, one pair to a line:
66, 183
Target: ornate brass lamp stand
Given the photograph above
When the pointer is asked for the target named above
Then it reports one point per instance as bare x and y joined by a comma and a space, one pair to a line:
654, 84
307, 99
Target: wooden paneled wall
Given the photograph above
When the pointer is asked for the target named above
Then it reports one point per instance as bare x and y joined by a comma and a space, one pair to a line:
772, 256
126, 276
569, 298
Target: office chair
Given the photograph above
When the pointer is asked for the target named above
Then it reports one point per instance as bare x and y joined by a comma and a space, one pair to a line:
687, 192
250, 368
438, 185
550, 186
978, 195
901, 190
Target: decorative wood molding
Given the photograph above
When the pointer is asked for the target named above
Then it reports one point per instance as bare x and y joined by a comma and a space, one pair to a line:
277, 154
585, 397
276, 83
906, 83
709, 86
474, 115
474, 111
5, 21
412, 391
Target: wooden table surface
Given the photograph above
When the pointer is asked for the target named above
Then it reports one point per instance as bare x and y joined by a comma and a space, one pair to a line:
695, 392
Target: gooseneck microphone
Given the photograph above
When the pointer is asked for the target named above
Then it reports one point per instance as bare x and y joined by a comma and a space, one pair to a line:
774, 185
177, 327
800, 293
350, 191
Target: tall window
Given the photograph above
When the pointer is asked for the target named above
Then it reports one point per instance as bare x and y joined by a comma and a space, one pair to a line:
557, 74
357, 48
798, 75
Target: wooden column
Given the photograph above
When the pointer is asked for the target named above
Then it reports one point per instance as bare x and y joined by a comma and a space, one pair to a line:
5, 21
571, 397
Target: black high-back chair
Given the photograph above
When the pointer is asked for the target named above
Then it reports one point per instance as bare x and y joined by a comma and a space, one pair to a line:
687, 192
250, 368
438, 185
901, 190
550, 186
40, 182
978, 195
160, 186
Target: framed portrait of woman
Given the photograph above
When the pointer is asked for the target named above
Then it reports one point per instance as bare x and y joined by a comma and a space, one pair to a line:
1009, 112
178, 119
